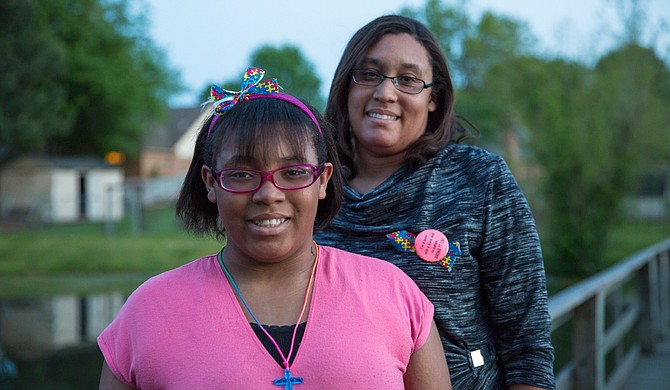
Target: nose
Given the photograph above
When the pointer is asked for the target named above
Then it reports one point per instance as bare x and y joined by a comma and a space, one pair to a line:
386, 90
268, 193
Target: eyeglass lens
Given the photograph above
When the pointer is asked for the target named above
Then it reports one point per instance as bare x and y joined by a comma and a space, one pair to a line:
370, 77
287, 178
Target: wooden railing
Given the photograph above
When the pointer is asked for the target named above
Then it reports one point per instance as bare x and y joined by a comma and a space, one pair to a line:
612, 318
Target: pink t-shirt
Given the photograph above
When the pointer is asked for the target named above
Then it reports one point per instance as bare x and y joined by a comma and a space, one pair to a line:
184, 329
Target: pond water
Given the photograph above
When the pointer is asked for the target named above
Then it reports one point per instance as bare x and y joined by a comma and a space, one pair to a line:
51, 340
68, 369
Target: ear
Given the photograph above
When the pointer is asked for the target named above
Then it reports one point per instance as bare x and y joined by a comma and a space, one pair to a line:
210, 183
432, 106
324, 178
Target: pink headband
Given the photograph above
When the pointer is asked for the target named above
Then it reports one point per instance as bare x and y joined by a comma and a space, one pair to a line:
252, 88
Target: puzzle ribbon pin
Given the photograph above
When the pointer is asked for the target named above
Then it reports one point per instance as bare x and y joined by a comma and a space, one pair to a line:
404, 241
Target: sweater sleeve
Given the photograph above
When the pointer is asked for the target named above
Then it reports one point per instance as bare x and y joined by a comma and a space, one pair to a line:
514, 283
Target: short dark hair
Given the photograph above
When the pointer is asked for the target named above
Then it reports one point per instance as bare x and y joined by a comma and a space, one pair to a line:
441, 122
255, 127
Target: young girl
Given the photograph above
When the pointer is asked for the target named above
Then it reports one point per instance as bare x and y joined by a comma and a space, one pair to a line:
272, 309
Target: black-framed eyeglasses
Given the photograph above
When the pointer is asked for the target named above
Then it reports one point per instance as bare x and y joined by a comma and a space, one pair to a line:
403, 83
292, 177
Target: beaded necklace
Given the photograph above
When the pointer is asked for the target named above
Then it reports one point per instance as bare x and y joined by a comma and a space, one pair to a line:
288, 380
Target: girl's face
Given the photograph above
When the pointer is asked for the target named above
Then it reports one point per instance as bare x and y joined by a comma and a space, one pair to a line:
269, 224
386, 121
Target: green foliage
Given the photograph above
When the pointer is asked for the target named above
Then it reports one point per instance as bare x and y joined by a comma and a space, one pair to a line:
635, 96
32, 99
293, 71
592, 131
105, 80
495, 40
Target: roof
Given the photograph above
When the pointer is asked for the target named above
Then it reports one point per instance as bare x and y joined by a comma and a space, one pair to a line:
165, 135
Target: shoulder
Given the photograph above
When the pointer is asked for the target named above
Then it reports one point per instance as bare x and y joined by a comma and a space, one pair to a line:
347, 259
367, 269
174, 282
459, 167
358, 278
462, 155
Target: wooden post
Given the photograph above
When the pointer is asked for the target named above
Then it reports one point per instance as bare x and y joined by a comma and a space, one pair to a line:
647, 278
588, 340
618, 306
664, 292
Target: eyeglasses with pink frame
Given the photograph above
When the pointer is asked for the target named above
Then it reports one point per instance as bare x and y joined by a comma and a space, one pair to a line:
292, 177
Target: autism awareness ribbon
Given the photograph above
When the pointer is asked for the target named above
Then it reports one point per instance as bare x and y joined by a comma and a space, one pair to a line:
403, 241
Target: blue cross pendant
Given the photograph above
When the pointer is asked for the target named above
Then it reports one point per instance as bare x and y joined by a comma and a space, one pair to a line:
288, 380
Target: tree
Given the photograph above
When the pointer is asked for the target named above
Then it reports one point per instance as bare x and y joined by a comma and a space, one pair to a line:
111, 84
553, 99
32, 100
495, 40
116, 79
291, 69
596, 130
592, 131
635, 96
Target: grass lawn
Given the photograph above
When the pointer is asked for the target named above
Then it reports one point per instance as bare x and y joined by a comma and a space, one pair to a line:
633, 236
85, 257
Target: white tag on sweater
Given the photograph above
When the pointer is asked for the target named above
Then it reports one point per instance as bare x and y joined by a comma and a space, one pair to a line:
477, 358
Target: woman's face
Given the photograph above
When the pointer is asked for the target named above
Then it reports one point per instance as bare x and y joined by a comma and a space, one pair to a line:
268, 225
384, 120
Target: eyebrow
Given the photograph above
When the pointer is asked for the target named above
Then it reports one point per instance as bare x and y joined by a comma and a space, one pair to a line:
248, 160
404, 66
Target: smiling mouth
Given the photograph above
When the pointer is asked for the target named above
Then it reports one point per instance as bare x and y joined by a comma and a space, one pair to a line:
274, 222
382, 116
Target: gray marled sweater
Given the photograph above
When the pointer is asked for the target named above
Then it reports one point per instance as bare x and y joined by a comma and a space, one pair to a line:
492, 297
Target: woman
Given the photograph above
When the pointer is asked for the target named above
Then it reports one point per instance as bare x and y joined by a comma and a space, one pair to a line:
272, 308
450, 215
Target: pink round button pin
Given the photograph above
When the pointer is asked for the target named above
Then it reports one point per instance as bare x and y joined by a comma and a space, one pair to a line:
431, 245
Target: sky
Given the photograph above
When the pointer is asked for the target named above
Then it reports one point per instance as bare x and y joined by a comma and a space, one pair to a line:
210, 41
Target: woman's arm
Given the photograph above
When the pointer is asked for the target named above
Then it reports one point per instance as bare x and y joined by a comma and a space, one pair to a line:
514, 283
109, 382
427, 368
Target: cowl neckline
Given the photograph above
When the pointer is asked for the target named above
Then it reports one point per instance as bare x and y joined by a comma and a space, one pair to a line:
387, 185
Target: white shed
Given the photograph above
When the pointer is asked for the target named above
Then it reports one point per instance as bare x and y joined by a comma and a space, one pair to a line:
62, 189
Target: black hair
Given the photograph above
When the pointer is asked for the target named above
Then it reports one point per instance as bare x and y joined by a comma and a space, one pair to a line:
255, 127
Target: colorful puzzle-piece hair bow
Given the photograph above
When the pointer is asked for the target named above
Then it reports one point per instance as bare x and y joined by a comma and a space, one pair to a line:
224, 99
252, 88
